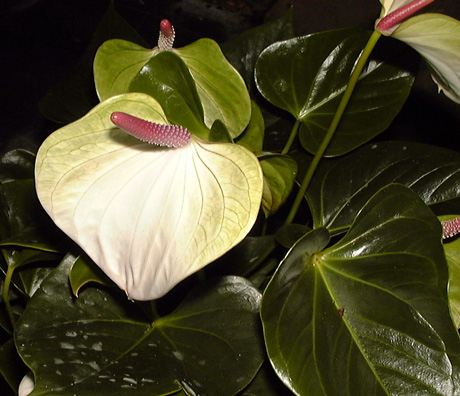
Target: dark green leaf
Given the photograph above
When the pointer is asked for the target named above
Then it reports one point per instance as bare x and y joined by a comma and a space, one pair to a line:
209, 345
376, 100
167, 79
296, 73
307, 76
279, 175
369, 315
342, 186
243, 50
75, 95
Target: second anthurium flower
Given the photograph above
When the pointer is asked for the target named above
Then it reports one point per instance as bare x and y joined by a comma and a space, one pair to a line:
149, 216
435, 36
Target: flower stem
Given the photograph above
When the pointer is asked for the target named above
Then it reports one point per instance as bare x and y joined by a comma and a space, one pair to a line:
6, 292
354, 77
292, 136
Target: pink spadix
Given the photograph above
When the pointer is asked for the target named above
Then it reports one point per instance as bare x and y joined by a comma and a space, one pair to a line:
166, 38
450, 228
401, 14
151, 132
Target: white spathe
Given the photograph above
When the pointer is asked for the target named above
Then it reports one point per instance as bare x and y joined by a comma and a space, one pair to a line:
148, 216
436, 37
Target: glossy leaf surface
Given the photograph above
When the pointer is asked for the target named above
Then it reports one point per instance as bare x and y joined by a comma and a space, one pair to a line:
344, 185
102, 342
307, 76
191, 204
367, 316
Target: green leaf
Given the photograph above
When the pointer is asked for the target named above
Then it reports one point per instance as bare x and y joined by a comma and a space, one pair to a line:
85, 271
342, 186
209, 345
222, 90
253, 136
306, 71
307, 76
167, 79
243, 50
279, 175
74, 96
369, 315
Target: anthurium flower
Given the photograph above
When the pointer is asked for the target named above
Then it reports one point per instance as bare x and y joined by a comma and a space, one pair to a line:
149, 216
435, 36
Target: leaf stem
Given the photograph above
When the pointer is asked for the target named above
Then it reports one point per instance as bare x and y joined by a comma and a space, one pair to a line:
292, 136
354, 77
6, 292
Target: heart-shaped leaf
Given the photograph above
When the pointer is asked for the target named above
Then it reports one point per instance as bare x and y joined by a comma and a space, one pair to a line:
341, 187
307, 76
210, 344
369, 315
149, 216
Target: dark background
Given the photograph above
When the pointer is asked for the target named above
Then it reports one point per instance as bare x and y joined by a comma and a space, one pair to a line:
43, 40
